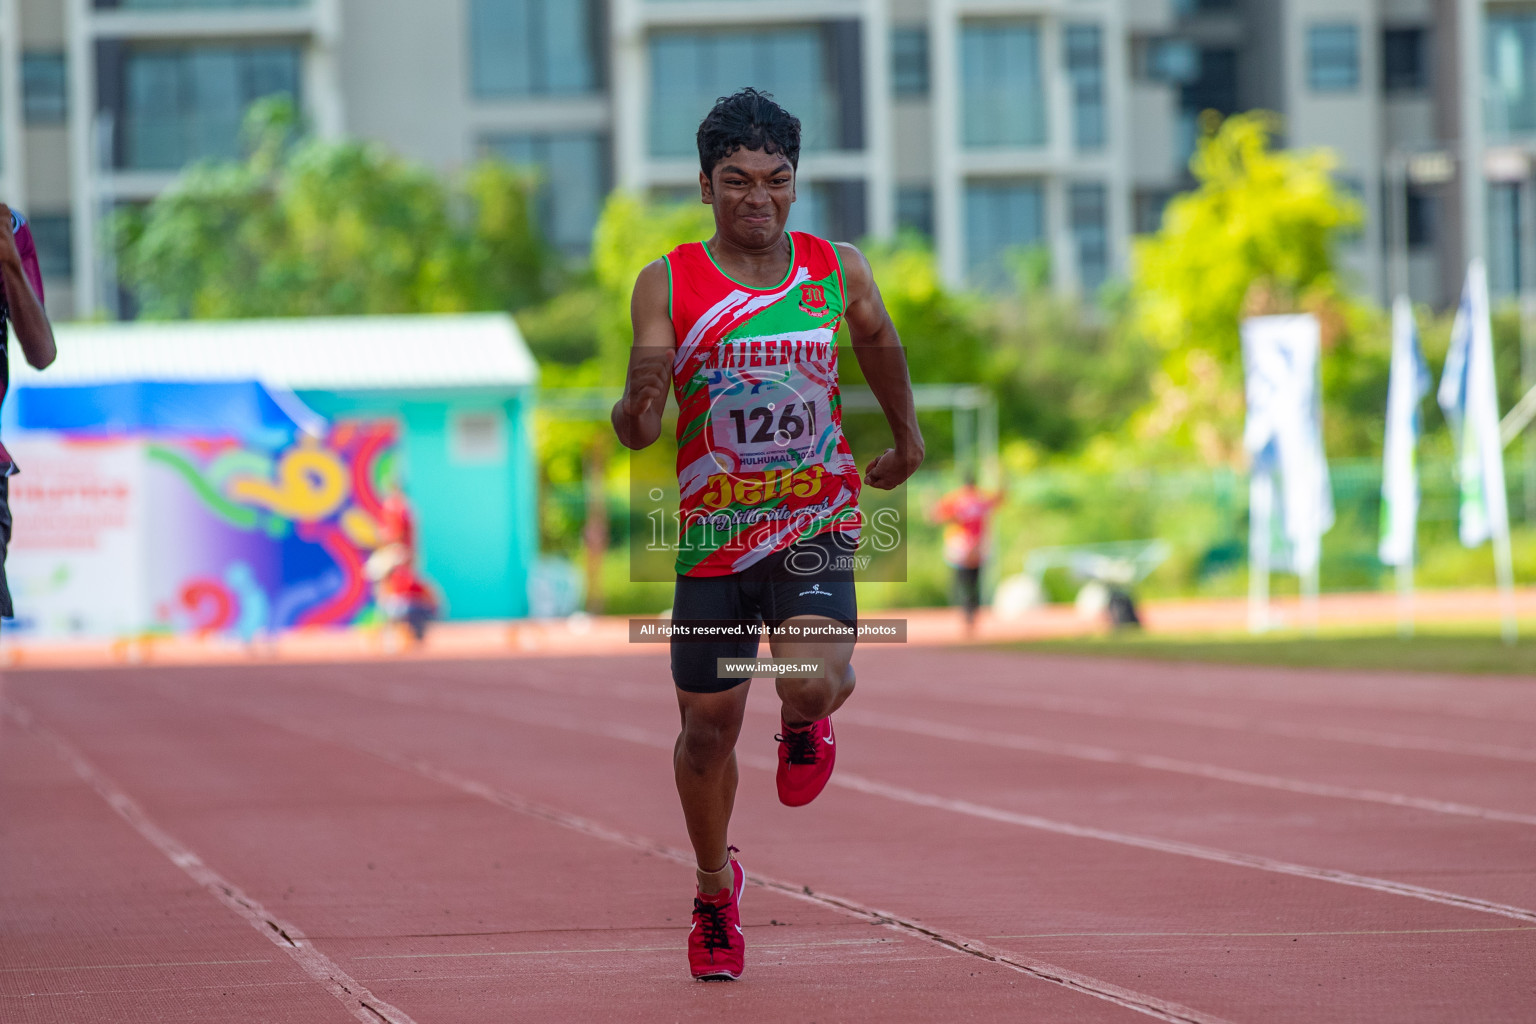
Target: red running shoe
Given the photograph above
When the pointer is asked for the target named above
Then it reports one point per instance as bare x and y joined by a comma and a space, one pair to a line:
806, 756
715, 943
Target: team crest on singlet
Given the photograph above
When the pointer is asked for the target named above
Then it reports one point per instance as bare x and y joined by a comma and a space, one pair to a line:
762, 461
813, 300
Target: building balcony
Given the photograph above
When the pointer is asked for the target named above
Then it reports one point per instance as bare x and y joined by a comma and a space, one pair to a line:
204, 19
665, 13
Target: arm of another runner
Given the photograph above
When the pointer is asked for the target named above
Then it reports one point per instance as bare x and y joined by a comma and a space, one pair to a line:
880, 356
26, 309
637, 416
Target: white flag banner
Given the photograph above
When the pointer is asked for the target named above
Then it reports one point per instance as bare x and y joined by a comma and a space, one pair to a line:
1469, 396
1409, 383
1284, 438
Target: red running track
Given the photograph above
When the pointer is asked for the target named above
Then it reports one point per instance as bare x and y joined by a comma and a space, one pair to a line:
1008, 837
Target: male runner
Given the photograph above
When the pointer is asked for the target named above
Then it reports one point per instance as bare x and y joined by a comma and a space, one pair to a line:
741, 329
22, 308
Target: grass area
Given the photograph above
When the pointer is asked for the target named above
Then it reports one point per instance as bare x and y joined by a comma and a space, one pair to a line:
1473, 649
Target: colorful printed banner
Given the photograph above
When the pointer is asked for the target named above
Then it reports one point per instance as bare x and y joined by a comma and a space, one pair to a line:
76, 561
218, 536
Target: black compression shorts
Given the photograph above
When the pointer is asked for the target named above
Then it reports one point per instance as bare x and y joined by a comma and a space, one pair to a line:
811, 577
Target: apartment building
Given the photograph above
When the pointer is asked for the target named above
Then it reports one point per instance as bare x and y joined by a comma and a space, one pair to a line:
988, 125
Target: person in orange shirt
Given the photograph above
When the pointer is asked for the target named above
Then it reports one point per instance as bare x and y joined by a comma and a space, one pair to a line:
964, 513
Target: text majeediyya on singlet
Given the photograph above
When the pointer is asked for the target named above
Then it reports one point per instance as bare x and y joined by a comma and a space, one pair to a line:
761, 457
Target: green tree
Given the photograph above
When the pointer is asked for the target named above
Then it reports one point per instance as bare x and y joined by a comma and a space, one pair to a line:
309, 227
1258, 215
590, 328
1065, 373
631, 233
940, 329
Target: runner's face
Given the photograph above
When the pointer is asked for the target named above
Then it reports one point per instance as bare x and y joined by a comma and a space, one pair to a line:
751, 192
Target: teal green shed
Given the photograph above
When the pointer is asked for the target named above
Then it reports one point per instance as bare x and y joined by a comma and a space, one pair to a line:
459, 387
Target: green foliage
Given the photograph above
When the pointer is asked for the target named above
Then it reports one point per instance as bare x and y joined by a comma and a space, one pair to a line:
631, 233
563, 331
1257, 213
583, 337
1355, 371
307, 227
941, 330
1258, 216
562, 445
1064, 374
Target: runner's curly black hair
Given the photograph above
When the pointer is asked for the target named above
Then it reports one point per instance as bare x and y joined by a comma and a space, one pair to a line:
747, 120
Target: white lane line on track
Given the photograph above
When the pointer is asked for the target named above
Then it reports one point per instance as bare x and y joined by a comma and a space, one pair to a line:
562, 684
1229, 857
1105, 755
361, 1003
125, 967
1437, 704
900, 794
1150, 1006
672, 948
1219, 720
1102, 755
1256, 935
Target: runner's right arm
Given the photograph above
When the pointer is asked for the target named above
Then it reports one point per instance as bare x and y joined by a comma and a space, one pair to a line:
637, 415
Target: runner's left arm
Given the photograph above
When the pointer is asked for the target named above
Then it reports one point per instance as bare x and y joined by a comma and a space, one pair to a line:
878, 350
26, 308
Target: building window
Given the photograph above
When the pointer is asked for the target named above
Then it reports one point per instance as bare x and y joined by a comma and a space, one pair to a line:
1405, 60
1423, 212
55, 249
1150, 207
830, 209
1333, 57
1002, 89
914, 209
574, 182
1214, 87
1165, 61
1510, 75
1090, 231
533, 47
44, 88
812, 71
174, 105
909, 61
1505, 273
1003, 219
1085, 70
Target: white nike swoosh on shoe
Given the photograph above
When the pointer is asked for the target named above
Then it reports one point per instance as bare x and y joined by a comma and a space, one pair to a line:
828, 741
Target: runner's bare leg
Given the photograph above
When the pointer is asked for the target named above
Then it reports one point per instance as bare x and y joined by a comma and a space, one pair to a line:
812, 699
704, 762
